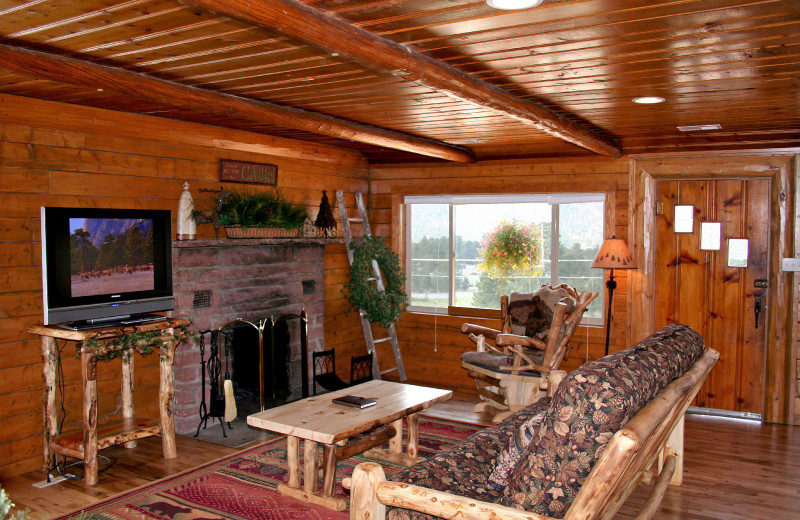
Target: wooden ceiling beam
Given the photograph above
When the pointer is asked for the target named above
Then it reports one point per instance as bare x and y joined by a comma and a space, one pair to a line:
70, 70
334, 35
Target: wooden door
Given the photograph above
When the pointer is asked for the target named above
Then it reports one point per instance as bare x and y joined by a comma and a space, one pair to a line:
699, 288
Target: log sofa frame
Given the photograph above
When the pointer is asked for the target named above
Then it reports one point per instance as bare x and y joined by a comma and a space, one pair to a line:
647, 450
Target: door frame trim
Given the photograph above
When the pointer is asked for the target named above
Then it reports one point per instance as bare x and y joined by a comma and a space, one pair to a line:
643, 175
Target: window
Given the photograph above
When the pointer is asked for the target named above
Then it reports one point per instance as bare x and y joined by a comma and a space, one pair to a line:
447, 234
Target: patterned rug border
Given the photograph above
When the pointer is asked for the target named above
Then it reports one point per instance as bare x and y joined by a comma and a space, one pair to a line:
208, 468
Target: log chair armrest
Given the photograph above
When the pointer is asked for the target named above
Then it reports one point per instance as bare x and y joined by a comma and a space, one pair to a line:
533, 367
510, 340
469, 328
371, 493
523, 363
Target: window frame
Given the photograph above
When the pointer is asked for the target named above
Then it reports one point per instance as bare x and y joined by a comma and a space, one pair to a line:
553, 199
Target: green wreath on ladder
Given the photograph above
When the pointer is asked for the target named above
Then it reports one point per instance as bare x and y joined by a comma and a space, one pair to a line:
385, 306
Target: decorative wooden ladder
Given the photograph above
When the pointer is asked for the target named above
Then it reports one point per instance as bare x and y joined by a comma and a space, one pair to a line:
371, 341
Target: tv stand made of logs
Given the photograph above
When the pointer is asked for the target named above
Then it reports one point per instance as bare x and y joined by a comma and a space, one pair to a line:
84, 444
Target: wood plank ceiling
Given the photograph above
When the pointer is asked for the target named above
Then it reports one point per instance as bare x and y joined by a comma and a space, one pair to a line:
414, 81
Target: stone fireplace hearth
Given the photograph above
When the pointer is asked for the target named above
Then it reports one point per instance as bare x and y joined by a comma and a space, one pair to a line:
217, 281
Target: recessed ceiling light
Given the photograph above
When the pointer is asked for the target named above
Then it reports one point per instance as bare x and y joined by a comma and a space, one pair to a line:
510, 5
648, 100
695, 128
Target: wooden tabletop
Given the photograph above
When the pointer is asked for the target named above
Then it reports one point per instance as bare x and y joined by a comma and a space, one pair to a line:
110, 331
318, 419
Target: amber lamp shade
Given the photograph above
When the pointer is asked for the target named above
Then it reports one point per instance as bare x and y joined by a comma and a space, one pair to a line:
613, 254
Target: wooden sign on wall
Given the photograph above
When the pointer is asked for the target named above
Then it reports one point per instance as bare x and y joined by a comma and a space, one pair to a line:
248, 172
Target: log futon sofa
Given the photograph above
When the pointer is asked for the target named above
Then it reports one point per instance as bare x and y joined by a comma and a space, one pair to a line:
611, 425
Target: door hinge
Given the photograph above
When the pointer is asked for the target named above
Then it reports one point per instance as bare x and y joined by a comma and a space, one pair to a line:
659, 208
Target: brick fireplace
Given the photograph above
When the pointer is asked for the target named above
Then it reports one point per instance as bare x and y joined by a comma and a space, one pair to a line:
217, 281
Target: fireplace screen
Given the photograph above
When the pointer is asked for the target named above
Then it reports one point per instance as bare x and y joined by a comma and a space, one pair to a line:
265, 361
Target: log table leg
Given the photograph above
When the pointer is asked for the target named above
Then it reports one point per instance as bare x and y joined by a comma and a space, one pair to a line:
310, 467
166, 399
412, 448
89, 373
395, 452
309, 492
127, 390
49, 412
293, 460
329, 470
396, 442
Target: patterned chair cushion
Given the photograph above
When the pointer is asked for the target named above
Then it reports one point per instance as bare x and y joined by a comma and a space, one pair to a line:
491, 360
531, 314
494, 360
589, 406
464, 469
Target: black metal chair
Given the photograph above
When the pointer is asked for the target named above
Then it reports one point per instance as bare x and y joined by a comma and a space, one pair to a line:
325, 371
324, 364
360, 369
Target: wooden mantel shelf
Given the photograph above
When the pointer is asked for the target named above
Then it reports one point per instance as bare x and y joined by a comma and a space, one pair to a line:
238, 242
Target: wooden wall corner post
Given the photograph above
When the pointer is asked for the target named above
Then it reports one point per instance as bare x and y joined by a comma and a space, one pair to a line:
166, 398
89, 374
364, 504
49, 409
127, 390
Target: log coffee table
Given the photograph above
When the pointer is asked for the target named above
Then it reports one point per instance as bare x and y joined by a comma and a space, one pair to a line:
318, 420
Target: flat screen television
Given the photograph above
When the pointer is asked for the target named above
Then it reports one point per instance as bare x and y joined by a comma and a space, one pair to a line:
105, 266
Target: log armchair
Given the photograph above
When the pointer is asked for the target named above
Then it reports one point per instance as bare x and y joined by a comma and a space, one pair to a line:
535, 335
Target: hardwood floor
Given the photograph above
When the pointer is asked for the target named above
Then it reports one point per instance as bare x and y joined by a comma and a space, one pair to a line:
735, 470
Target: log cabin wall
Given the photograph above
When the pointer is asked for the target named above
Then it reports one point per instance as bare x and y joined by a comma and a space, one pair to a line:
64, 155
432, 344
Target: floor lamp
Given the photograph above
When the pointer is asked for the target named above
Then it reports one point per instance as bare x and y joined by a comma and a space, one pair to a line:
613, 254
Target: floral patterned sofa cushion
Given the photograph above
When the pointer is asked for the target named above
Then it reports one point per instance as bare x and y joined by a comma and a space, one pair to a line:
515, 447
464, 469
589, 406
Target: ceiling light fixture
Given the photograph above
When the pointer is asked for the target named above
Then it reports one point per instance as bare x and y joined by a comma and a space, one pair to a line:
648, 100
696, 128
510, 5
465, 141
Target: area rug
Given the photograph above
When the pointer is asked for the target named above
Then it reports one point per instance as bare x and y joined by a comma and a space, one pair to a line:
243, 485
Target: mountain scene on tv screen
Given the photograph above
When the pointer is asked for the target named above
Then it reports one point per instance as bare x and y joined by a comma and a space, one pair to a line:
110, 256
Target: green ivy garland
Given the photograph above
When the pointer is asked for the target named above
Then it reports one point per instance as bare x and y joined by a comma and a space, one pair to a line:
142, 342
382, 307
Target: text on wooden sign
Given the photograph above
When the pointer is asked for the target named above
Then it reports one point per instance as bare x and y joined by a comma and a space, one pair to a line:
248, 172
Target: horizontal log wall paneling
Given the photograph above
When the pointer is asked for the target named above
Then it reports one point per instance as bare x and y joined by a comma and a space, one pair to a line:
65, 155
432, 345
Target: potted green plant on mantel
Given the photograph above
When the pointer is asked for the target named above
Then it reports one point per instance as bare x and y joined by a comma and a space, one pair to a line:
261, 214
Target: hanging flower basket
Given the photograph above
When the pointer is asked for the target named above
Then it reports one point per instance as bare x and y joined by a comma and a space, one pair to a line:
513, 248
